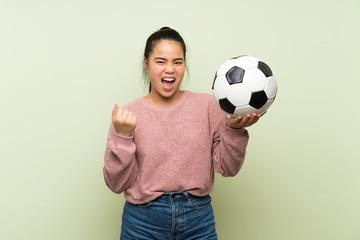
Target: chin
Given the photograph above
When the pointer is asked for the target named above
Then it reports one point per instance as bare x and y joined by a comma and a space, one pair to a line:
169, 94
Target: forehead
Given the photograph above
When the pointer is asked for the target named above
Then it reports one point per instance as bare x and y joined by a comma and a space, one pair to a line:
168, 48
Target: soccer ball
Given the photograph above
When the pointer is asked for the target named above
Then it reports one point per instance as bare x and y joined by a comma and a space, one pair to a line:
244, 85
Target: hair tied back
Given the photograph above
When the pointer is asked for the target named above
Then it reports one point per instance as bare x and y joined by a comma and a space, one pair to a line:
165, 28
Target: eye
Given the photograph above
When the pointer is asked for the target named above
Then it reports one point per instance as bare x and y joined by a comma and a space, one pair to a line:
178, 62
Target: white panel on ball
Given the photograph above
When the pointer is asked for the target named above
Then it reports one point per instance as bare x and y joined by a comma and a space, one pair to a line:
246, 62
242, 111
239, 95
222, 87
271, 87
254, 79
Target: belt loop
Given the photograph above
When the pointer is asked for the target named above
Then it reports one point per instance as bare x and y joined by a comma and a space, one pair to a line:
186, 195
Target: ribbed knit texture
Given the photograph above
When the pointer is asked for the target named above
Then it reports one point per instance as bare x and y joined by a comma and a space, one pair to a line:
175, 148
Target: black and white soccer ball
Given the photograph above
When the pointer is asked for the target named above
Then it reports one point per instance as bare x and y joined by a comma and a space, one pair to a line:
244, 85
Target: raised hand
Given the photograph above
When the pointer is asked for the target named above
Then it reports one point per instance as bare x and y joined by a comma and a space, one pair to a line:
241, 122
124, 121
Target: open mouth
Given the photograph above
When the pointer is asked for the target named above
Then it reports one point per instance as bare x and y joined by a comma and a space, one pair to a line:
168, 82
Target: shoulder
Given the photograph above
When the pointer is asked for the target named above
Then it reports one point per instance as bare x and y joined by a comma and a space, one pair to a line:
135, 104
200, 97
206, 102
204, 98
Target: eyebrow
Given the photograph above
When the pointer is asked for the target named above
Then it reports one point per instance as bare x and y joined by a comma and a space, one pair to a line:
161, 58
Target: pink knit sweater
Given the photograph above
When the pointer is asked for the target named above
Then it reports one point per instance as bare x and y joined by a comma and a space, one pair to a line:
175, 148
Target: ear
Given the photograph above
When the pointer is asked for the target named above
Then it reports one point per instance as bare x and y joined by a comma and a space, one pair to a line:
146, 65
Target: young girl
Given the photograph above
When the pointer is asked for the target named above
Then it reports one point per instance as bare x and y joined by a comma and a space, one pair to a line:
163, 149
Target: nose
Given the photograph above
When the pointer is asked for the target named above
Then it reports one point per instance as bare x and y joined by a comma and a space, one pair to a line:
169, 68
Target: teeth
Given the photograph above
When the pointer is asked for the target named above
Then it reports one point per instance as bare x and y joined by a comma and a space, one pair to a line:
169, 79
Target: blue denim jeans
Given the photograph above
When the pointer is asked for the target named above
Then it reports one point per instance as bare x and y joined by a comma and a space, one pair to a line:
176, 215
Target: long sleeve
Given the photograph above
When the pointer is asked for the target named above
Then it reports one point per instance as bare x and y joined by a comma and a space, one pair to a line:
229, 145
120, 166
229, 151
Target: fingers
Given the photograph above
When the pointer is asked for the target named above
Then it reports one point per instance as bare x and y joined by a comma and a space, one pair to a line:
252, 119
241, 122
124, 121
132, 117
121, 115
124, 115
114, 112
128, 116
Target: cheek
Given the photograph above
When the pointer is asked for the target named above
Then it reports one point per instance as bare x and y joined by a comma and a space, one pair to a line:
154, 72
155, 69
181, 70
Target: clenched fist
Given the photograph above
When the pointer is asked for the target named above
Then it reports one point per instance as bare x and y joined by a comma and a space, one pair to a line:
124, 121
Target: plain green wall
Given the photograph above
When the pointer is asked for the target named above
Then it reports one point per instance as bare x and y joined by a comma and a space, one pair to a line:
64, 63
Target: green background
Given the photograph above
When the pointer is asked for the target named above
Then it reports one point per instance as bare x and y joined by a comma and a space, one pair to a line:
64, 64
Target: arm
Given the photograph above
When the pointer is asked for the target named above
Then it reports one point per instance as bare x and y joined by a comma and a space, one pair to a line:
230, 139
229, 149
120, 165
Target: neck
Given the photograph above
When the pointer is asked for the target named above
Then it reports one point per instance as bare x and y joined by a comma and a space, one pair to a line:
161, 101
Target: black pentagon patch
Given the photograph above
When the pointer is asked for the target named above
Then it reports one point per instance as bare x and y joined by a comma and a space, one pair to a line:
227, 106
214, 81
258, 99
235, 75
265, 69
238, 56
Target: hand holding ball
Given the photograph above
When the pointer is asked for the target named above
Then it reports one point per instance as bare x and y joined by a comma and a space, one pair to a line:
244, 85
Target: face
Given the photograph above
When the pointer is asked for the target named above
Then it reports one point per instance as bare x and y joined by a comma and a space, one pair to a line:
166, 68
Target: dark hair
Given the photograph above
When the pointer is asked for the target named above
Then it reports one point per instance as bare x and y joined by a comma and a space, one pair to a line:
165, 33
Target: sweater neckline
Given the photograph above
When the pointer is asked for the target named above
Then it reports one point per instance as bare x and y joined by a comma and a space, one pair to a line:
185, 93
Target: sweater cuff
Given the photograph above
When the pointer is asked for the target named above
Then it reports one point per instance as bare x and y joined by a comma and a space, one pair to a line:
122, 140
233, 132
